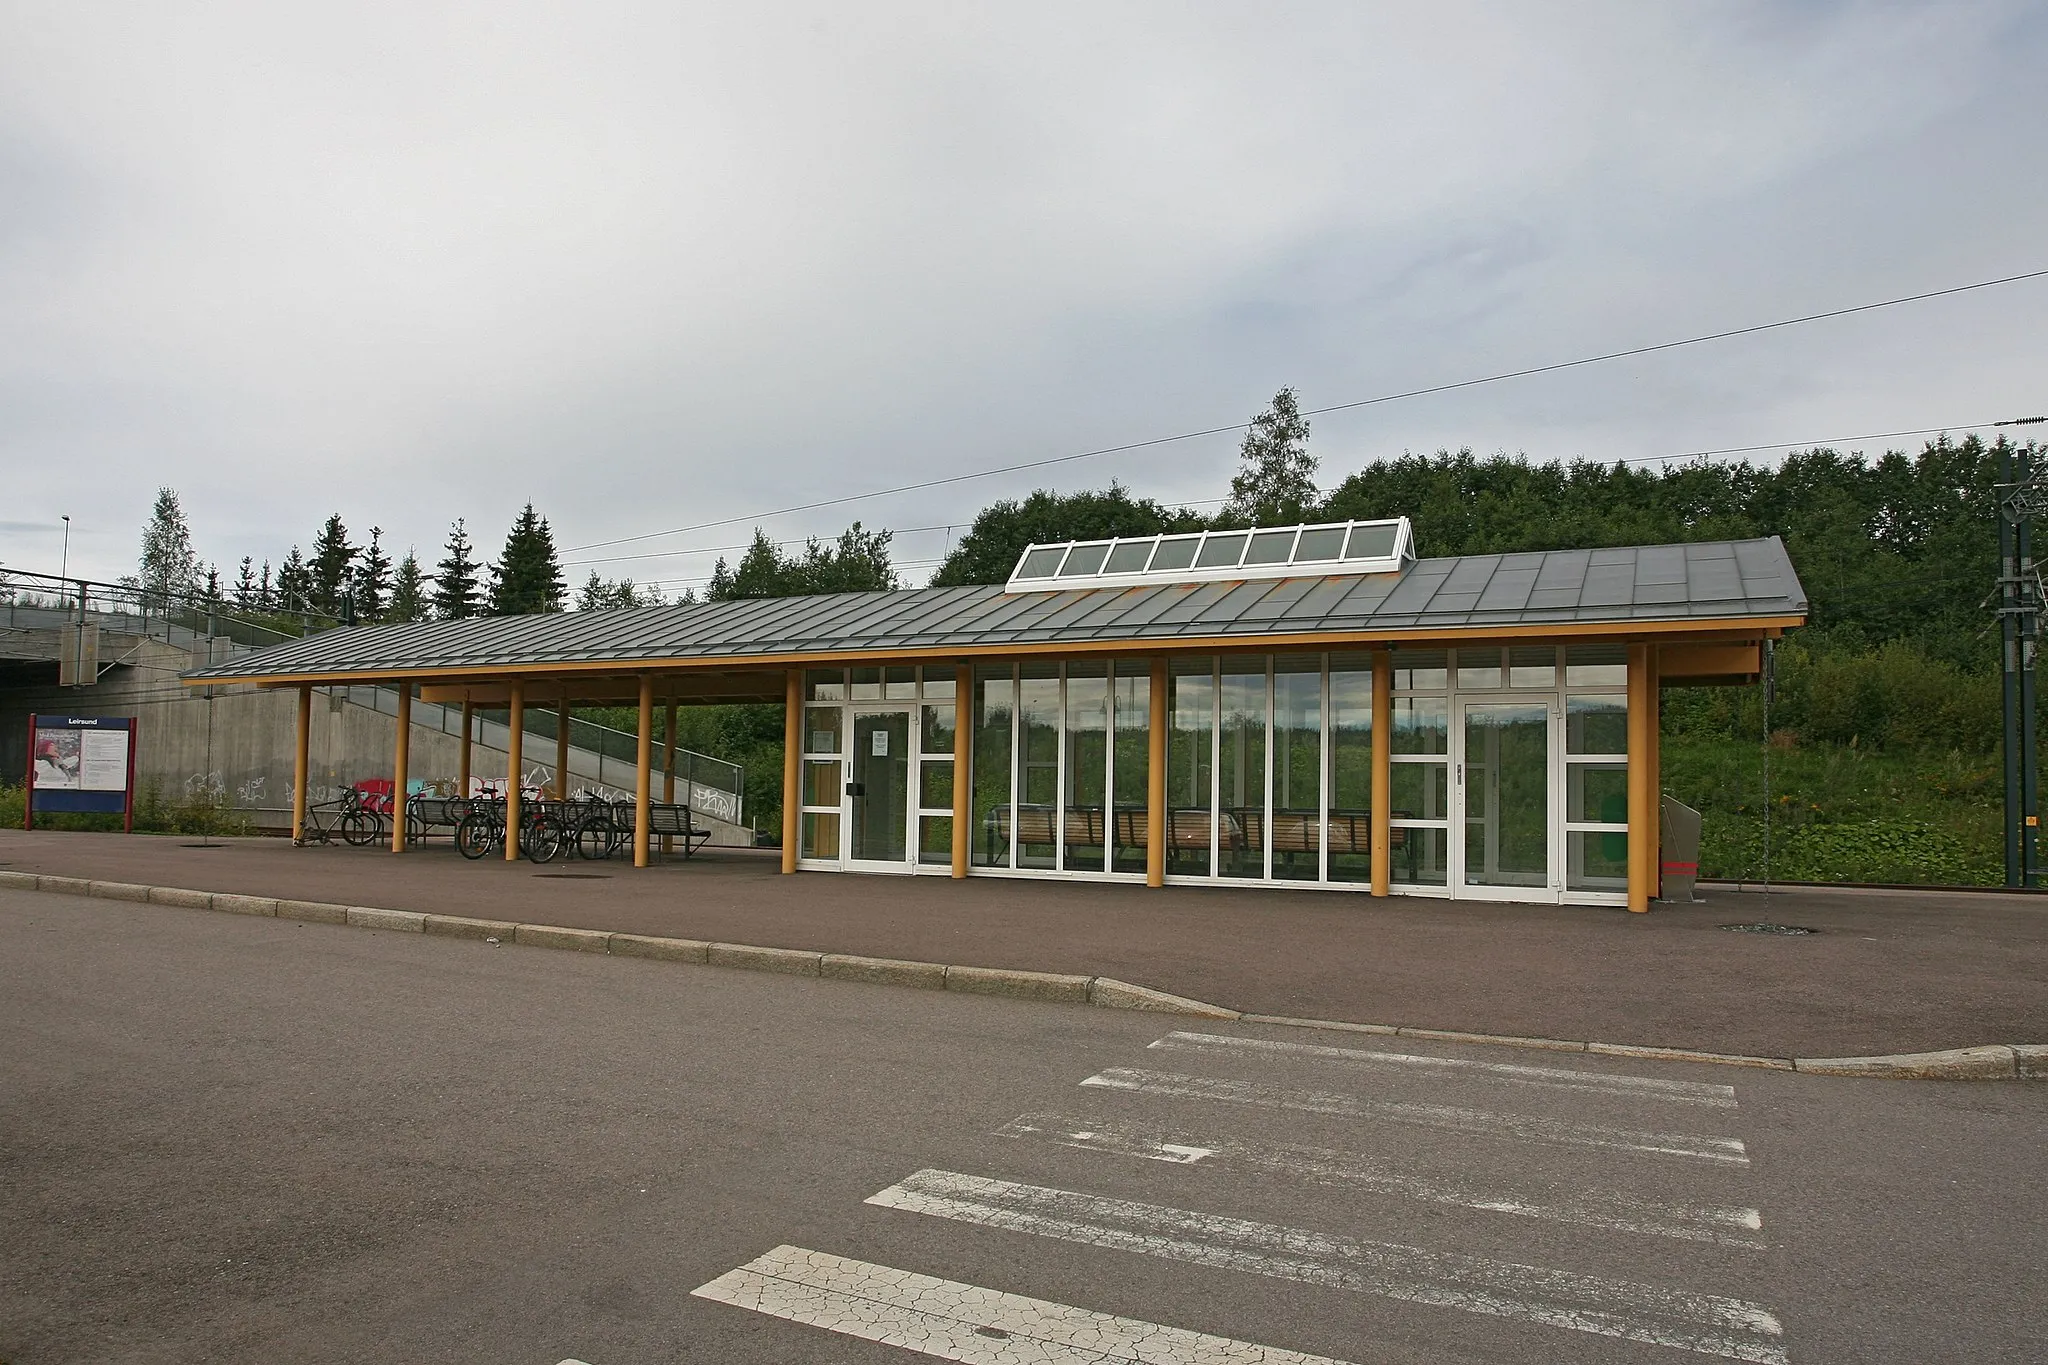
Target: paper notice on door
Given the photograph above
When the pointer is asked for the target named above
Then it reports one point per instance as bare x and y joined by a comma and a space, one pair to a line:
881, 744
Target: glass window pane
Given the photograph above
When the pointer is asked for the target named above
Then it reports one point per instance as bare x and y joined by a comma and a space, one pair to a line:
935, 786
1087, 768
1532, 666
1084, 560
867, 684
1596, 793
1129, 556
1479, 668
1241, 767
820, 835
1419, 857
1596, 861
1419, 791
1596, 666
1420, 670
821, 729
935, 840
1350, 823
939, 683
1270, 547
1319, 544
1372, 542
1422, 725
1174, 553
936, 736
821, 784
1041, 562
1038, 762
1191, 706
1133, 765
1296, 830
1507, 794
1221, 551
1596, 724
824, 684
995, 704
899, 682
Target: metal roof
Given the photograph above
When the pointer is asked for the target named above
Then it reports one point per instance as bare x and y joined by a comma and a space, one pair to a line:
1709, 581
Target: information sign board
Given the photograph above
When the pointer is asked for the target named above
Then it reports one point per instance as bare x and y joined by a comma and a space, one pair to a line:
81, 765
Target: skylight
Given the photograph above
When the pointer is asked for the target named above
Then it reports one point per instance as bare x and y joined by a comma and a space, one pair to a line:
1269, 552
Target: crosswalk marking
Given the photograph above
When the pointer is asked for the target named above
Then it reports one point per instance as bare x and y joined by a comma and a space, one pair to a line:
1635, 1087
1618, 1213
956, 1321
1705, 1323
1726, 1150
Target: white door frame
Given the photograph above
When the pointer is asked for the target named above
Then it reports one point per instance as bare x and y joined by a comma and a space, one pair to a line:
1553, 839
855, 710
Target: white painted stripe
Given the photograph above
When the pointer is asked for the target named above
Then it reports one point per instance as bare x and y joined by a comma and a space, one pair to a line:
957, 1321
1736, 1227
1709, 1324
1480, 1122
1636, 1087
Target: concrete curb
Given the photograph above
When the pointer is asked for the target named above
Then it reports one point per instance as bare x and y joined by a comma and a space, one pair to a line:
1998, 1061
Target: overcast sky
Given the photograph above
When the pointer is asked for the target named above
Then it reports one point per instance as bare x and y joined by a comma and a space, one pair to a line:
662, 265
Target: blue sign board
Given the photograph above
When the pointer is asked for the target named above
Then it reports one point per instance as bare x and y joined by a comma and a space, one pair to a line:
81, 765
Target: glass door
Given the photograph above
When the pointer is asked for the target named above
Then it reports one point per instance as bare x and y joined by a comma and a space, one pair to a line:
1502, 821
878, 794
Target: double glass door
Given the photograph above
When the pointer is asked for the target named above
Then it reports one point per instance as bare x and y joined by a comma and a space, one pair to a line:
878, 790
1502, 795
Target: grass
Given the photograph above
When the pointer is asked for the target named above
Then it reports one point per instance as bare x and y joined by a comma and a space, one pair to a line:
1840, 813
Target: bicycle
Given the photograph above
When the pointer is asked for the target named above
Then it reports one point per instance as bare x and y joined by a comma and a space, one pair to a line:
482, 831
353, 820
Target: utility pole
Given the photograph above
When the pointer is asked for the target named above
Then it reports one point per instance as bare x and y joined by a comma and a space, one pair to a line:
2020, 499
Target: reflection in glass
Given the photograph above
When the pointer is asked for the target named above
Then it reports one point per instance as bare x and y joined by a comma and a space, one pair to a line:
1596, 860
1596, 793
1419, 791
1319, 544
1420, 670
821, 729
936, 735
1221, 551
1295, 831
1241, 768
1084, 820
1479, 668
938, 684
1507, 790
1532, 666
1270, 547
1421, 856
935, 840
1175, 552
1191, 709
867, 684
1038, 762
1350, 822
1422, 725
1596, 666
935, 785
899, 682
825, 684
1129, 557
1083, 560
820, 835
1133, 765
880, 803
1596, 724
995, 705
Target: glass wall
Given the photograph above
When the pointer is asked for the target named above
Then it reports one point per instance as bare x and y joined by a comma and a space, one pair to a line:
1190, 766
1419, 749
995, 714
1241, 767
1350, 822
1131, 768
1084, 759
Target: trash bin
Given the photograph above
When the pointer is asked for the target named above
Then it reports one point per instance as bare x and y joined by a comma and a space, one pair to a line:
1678, 851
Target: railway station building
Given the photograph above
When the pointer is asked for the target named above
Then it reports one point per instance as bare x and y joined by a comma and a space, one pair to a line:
1309, 707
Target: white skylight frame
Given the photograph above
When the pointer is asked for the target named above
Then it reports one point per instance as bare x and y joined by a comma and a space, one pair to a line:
1214, 546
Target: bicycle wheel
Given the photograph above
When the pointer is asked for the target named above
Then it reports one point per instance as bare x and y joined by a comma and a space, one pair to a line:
543, 839
594, 838
358, 830
476, 836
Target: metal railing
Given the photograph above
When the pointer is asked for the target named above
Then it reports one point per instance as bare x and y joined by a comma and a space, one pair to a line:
42, 601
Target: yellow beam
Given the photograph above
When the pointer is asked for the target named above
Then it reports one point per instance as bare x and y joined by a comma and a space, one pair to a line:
515, 743
400, 762
1156, 814
1642, 789
1382, 770
792, 765
1739, 661
462, 764
963, 766
643, 772
301, 763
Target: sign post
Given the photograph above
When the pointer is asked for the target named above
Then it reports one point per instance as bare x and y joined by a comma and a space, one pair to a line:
81, 765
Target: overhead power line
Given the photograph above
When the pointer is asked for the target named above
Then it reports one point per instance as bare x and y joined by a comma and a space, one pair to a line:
1335, 407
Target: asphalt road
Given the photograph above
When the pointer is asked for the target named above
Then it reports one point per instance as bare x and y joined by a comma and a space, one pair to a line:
229, 1139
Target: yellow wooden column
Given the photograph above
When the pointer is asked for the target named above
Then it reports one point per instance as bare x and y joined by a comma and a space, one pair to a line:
668, 765
400, 761
1157, 816
515, 743
963, 766
643, 772
562, 747
792, 766
301, 762
1642, 779
462, 764
1382, 771
1656, 691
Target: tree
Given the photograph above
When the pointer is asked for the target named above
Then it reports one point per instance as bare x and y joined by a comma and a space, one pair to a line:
332, 559
528, 575
408, 592
373, 579
246, 594
857, 562
294, 583
600, 594
168, 564
266, 592
455, 578
1275, 483
992, 546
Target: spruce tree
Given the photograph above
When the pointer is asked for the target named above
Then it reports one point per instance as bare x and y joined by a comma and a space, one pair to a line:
169, 567
245, 593
294, 583
332, 558
266, 592
1276, 484
528, 575
455, 578
373, 580
408, 592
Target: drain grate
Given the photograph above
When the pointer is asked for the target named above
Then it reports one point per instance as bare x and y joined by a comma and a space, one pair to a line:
1793, 929
202, 845
575, 876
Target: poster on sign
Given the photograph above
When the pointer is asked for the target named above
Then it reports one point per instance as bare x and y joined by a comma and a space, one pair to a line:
59, 758
81, 765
